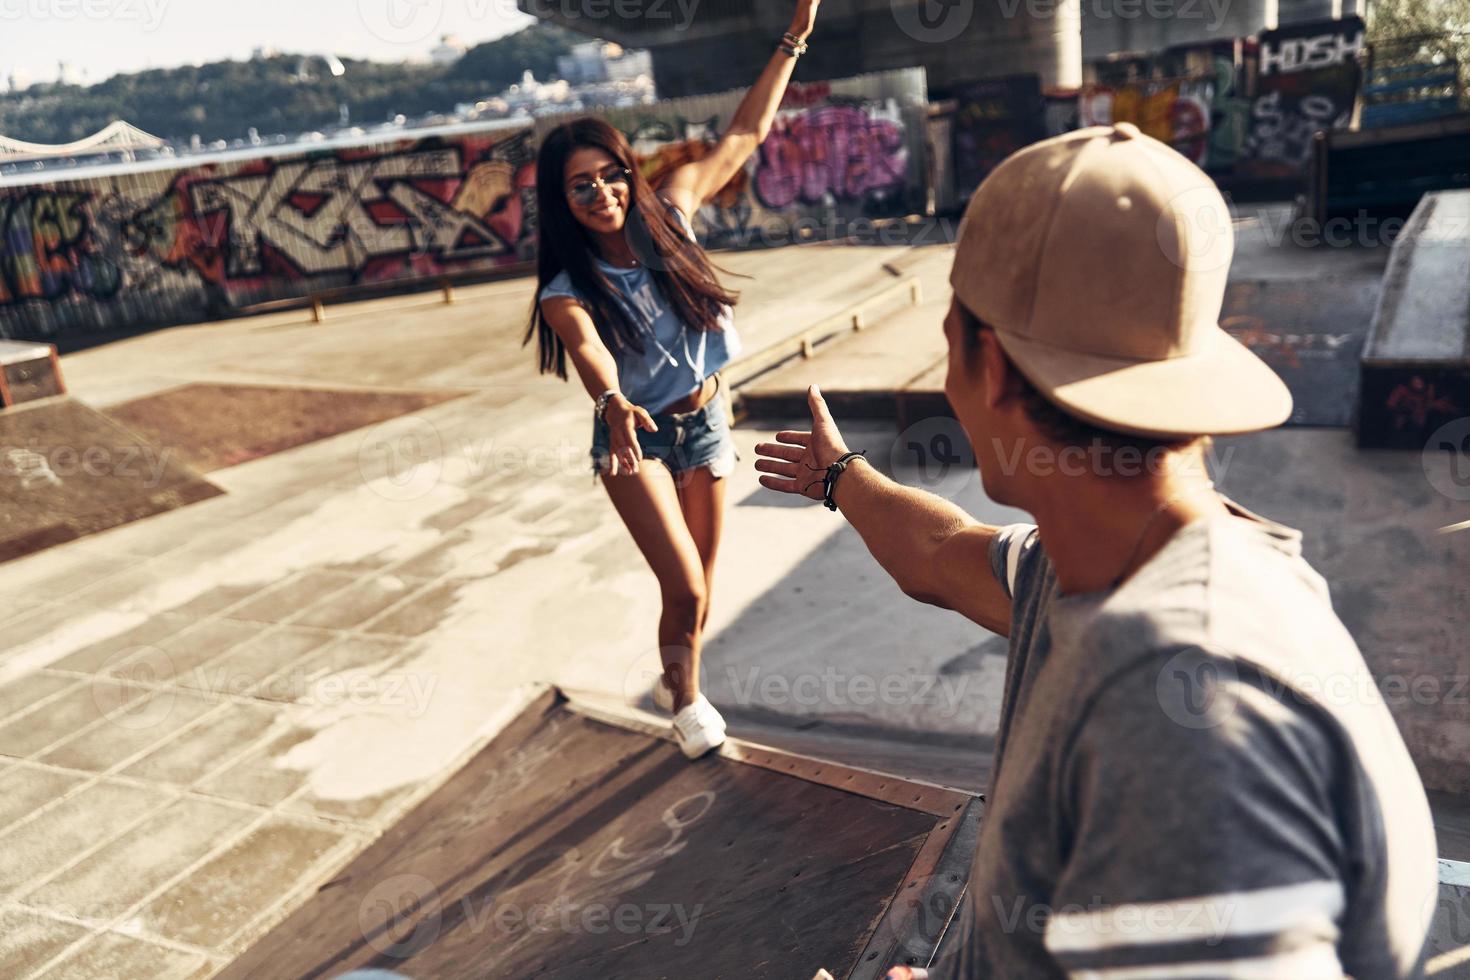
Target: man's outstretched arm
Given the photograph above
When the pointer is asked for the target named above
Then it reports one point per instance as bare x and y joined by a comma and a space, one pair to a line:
935, 551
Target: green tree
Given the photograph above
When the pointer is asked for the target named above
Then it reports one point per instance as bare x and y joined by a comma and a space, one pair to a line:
500, 62
1406, 32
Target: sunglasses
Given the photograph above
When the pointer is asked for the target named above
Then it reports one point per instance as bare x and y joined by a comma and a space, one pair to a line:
585, 192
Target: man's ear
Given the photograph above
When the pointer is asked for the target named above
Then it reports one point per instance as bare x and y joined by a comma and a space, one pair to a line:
995, 370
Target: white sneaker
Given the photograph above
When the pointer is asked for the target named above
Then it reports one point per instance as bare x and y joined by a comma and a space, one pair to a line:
699, 728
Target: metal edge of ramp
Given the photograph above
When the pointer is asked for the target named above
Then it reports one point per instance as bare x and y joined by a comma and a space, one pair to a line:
913, 924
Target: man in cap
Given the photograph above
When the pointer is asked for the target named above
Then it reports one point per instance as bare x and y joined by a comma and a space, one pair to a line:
1192, 777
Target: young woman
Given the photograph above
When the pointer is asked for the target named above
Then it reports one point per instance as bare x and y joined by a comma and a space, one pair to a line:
627, 293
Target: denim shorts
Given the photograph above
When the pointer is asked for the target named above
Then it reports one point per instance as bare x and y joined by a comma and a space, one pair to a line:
684, 440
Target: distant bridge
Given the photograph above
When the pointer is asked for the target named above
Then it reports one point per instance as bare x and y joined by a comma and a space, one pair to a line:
117, 135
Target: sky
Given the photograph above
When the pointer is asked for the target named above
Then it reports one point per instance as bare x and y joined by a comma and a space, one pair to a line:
104, 37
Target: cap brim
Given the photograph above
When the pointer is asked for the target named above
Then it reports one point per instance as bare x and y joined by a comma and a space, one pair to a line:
1220, 389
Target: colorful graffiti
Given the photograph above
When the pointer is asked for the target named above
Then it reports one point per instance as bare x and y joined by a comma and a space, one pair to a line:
46, 251
361, 219
1230, 107
1236, 105
845, 152
1193, 97
664, 145
189, 242
1416, 401
993, 119
1175, 110
838, 150
156, 245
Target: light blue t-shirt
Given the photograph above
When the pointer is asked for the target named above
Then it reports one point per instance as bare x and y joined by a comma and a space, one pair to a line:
676, 358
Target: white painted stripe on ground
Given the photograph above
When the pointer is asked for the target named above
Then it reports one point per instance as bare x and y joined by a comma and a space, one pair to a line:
1263, 911
1454, 873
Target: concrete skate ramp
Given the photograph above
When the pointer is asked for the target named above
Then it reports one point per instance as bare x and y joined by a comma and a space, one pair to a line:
67, 471
583, 845
1416, 366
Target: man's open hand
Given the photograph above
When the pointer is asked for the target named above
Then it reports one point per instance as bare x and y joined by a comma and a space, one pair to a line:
799, 460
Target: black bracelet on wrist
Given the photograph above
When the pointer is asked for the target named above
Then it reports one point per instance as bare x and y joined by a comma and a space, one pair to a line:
829, 482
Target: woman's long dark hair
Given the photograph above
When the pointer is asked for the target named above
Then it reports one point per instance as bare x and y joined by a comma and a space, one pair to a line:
678, 266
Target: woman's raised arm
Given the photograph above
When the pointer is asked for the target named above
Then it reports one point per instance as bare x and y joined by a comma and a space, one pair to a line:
692, 184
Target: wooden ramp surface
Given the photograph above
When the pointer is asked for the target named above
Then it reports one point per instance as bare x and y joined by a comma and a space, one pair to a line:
68, 471
580, 845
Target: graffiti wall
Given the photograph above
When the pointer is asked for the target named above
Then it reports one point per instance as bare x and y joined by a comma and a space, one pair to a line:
1197, 98
839, 151
137, 246
1243, 106
993, 119
1174, 110
1310, 78
142, 245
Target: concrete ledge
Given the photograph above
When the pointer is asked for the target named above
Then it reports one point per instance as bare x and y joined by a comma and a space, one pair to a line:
866, 311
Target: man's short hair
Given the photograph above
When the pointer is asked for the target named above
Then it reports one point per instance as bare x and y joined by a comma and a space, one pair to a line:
1055, 422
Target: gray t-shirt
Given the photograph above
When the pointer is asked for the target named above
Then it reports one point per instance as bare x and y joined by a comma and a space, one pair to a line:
1194, 776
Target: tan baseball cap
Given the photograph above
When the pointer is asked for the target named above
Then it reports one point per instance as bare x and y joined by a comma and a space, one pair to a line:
1100, 258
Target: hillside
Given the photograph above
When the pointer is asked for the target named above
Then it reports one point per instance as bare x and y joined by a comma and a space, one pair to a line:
287, 93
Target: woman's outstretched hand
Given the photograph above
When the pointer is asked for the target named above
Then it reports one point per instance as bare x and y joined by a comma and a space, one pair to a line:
799, 460
624, 419
805, 17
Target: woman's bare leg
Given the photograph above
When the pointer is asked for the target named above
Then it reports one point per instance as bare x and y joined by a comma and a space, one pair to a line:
702, 498
648, 503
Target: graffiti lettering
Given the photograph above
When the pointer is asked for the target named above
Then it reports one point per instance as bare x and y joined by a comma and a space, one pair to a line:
1306, 53
1283, 136
197, 241
1309, 81
849, 152
328, 216
1415, 400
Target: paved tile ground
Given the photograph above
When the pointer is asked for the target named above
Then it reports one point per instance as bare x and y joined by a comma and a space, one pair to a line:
204, 714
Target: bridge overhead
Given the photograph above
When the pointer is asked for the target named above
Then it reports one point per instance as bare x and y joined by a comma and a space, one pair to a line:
712, 45
702, 46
